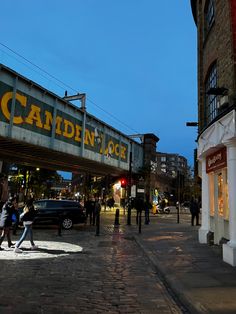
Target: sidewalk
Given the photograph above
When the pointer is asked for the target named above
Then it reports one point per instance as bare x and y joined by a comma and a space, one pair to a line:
195, 272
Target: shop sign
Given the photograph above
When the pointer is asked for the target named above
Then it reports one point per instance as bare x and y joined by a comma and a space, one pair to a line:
216, 161
37, 116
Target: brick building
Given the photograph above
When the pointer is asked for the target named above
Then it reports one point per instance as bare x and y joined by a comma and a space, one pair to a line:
216, 29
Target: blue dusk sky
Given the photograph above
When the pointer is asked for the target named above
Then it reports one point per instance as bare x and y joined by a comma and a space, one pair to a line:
136, 60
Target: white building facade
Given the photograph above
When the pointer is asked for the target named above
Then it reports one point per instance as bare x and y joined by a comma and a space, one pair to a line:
216, 30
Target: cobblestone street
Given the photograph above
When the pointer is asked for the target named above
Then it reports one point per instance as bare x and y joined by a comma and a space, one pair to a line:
82, 273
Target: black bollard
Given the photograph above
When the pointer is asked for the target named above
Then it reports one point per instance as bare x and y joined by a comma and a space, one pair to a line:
129, 215
140, 221
117, 214
178, 210
98, 224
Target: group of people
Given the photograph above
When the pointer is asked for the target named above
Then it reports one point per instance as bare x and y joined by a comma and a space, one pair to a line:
9, 208
92, 207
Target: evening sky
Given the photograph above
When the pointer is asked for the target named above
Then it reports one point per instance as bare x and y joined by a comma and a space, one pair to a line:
134, 59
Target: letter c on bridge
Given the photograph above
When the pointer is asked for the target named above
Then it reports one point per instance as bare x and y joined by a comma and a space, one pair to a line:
4, 104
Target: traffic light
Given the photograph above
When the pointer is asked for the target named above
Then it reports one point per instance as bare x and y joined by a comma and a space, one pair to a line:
123, 183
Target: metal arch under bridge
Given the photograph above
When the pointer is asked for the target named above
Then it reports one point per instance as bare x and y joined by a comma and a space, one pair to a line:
39, 128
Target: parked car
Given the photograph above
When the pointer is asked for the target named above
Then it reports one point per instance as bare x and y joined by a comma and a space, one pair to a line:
66, 211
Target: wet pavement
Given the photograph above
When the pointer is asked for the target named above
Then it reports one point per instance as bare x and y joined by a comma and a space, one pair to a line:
163, 269
79, 272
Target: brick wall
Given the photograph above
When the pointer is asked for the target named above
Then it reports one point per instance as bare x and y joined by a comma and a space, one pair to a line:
216, 44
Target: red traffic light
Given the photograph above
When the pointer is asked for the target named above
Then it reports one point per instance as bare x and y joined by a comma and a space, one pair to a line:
123, 183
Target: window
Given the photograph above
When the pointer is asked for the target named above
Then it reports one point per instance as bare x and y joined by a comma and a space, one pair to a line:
40, 205
209, 14
210, 100
218, 194
223, 202
163, 158
211, 194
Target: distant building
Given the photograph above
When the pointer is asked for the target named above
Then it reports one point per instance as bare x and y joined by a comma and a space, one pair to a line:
166, 173
216, 29
171, 164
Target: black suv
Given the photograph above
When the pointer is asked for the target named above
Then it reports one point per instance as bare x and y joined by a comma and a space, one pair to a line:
65, 211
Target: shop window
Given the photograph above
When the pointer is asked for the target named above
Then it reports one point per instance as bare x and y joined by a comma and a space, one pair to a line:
226, 196
220, 195
223, 203
211, 194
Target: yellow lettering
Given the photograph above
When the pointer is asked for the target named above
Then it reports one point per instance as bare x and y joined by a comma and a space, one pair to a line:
48, 122
89, 138
117, 149
4, 105
78, 130
58, 125
123, 152
69, 129
34, 115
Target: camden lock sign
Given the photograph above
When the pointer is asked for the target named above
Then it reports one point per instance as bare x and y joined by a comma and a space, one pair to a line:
37, 116
216, 161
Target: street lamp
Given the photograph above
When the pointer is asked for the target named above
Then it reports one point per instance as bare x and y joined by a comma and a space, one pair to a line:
191, 123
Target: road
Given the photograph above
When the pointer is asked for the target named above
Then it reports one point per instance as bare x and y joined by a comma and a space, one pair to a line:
83, 273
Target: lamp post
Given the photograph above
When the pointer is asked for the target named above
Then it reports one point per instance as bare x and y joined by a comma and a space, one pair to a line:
178, 208
129, 186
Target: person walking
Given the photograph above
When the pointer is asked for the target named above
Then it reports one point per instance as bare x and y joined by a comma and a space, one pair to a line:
27, 217
97, 210
3, 190
6, 220
139, 206
16, 216
90, 211
195, 211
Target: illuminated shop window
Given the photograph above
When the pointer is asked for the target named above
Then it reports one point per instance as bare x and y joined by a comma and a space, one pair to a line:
226, 195
211, 194
220, 195
223, 202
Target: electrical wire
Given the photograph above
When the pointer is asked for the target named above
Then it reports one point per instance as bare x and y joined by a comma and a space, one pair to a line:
61, 82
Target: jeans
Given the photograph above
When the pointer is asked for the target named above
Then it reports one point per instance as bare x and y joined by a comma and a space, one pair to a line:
27, 230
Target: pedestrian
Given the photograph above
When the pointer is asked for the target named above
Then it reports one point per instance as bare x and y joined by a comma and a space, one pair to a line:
17, 216
27, 217
97, 211
195, 211
111, 202
139, 205
6, 220
90, 211
3, 190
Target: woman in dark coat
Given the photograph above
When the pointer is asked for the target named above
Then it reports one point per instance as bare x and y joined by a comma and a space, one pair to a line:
6, 220
27, 217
